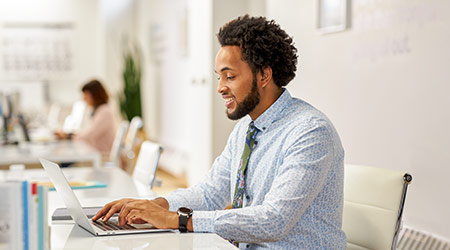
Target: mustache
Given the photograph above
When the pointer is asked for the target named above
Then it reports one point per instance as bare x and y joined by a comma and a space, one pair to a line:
227, 94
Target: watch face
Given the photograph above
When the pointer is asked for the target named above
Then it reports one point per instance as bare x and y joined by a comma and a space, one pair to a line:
185, 210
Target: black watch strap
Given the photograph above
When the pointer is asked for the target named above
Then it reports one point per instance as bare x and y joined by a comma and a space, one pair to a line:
182, 220
184, 213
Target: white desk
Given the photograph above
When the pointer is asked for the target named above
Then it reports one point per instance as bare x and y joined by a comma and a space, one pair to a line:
120, 185
58, 151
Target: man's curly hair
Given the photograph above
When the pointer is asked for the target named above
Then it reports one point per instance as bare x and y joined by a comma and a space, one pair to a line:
263, 43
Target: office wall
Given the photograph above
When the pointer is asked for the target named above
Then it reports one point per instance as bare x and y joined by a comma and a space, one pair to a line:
83, 16
160, 33
118, 28
146, 14
384, 84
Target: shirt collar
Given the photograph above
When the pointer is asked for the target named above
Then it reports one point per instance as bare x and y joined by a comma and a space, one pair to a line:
274, 112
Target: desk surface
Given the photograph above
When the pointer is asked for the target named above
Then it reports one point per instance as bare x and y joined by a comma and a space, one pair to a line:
66, 235
58, 151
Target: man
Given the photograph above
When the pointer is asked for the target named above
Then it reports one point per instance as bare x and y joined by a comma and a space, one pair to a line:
282, 167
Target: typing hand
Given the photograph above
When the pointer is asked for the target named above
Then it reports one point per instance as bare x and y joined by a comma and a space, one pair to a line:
137, 211
59, 135
110, 209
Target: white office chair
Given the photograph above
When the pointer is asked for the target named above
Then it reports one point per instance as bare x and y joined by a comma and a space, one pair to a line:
118, 144
73, 122
373, 206
147, 163
135, 124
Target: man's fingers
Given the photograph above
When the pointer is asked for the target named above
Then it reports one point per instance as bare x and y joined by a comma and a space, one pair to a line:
138, 221
103, 211
132, 205
125, 210
124, 207
116, 207
135, 216
110, 209
129, 218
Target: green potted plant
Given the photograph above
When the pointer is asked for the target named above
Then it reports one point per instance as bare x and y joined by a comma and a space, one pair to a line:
130, 98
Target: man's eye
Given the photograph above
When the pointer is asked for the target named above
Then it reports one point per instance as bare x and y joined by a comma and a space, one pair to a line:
230, 77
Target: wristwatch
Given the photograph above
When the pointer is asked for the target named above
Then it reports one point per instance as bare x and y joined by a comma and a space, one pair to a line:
184, 213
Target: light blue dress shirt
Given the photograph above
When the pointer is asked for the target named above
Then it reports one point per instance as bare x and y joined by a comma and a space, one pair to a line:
294, 186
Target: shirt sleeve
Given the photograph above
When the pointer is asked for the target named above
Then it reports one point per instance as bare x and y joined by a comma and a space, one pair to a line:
212, 192
100, 123
297, 182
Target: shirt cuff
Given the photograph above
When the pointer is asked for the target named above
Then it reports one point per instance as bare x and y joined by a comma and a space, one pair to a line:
203, 221
173, 205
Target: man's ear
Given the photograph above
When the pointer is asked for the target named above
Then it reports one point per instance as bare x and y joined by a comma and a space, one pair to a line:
266, 76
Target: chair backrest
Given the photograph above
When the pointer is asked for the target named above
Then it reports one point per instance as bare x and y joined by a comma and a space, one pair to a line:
147, 163
135, 124
373, 206
73, 122
118, 143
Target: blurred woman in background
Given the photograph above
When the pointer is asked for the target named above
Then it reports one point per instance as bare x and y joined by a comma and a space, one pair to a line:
101, 127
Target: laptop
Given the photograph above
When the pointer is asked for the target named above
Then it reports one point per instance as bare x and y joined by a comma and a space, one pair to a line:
97, 228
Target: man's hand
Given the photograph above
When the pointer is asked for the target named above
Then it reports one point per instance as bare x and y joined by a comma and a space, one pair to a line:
148, 211
134, 211
154, 212
110, 209
60, 135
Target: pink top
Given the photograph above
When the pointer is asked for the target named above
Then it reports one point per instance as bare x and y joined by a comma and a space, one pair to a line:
100, 130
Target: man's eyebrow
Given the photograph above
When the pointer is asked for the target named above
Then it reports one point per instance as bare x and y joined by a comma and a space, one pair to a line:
223, 69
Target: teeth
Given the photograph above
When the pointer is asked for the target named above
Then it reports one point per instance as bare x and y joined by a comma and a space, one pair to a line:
229, 99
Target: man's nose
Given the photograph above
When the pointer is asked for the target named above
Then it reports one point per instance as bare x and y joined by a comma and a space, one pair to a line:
221, 87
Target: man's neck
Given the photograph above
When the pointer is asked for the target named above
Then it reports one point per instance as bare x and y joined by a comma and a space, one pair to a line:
267, 99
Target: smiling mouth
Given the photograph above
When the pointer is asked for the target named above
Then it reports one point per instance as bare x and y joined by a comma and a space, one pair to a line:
228, 102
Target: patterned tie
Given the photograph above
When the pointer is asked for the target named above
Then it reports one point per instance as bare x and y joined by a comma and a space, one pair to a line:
240, 184
248, 148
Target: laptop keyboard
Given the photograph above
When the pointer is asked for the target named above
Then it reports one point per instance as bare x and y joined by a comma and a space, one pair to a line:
111, 226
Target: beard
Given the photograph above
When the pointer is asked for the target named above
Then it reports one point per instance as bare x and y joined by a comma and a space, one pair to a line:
248, 105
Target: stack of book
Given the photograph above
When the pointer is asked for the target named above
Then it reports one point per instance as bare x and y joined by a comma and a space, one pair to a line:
24, 216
